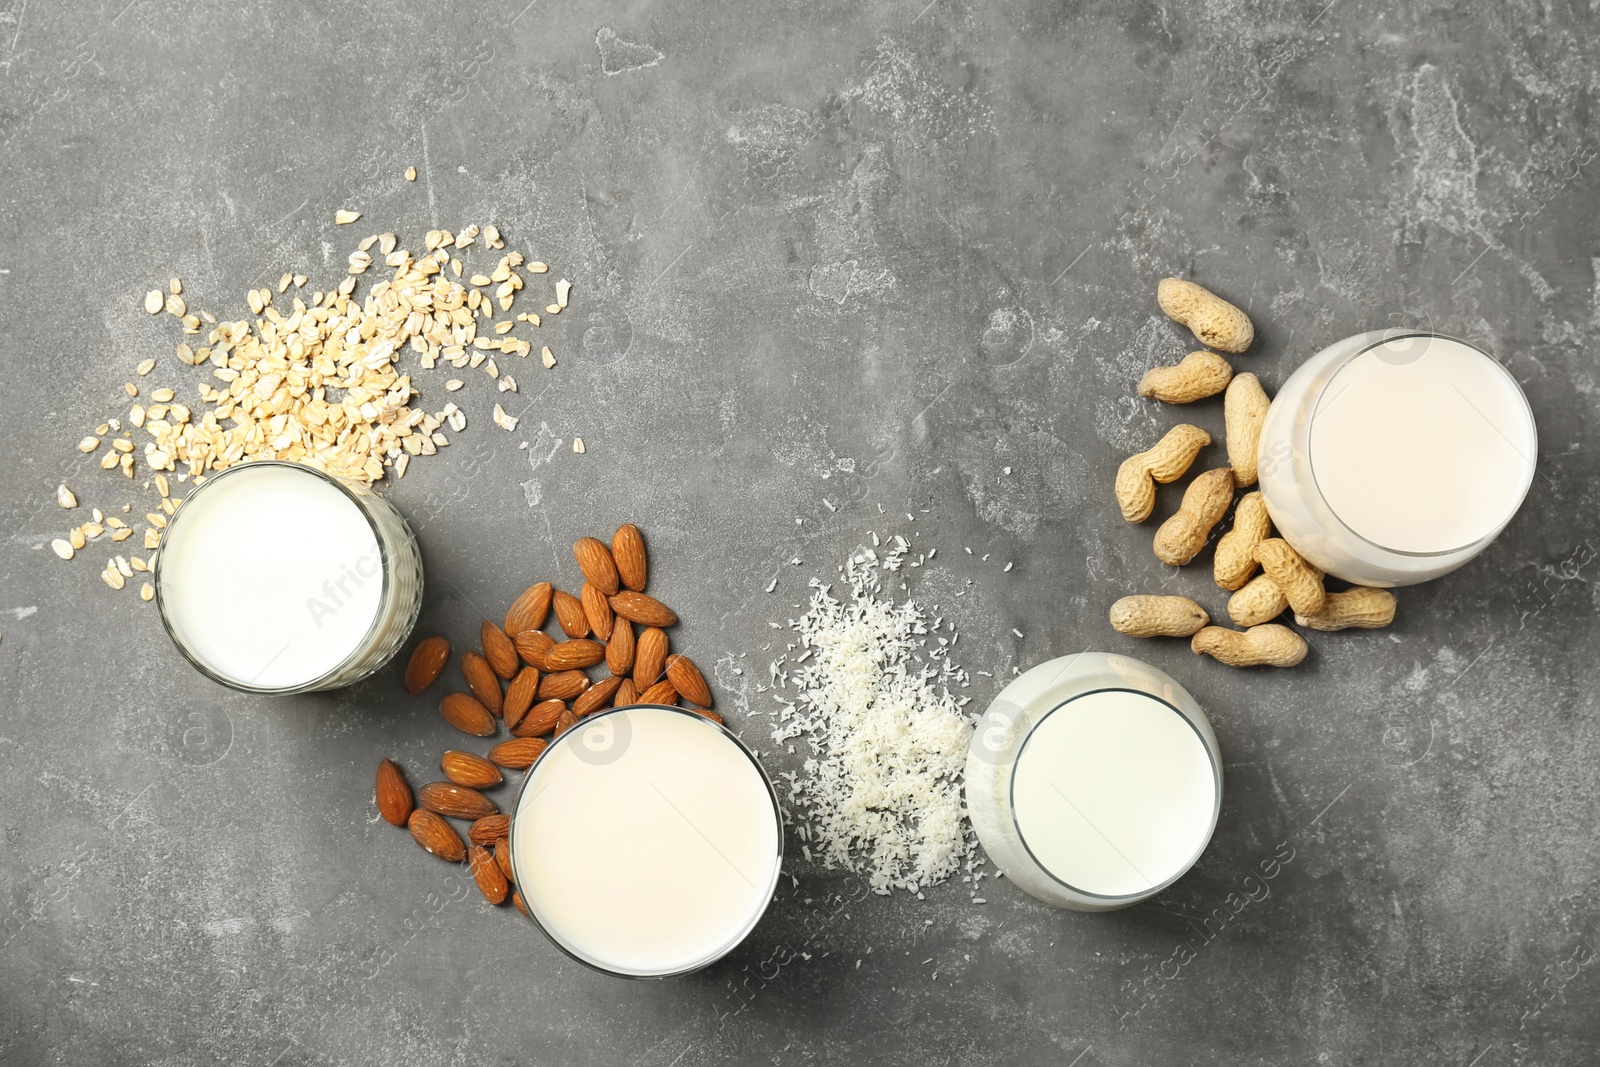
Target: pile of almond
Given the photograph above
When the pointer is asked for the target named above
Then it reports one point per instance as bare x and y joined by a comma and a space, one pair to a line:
538, 686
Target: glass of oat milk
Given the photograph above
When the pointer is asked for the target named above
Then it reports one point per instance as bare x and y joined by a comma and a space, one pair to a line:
1094, 781
274, 577
1393, 457
646, 841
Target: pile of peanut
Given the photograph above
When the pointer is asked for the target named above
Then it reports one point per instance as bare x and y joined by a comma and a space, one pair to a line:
1286, 581
537, 686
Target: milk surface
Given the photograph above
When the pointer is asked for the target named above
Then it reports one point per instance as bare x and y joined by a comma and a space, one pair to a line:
271, 576
1114, 793
646, 841
1422, 445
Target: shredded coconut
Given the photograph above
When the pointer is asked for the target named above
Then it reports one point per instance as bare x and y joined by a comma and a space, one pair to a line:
881, 794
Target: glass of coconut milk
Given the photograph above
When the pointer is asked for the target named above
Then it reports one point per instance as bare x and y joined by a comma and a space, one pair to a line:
646, 841
274, 577
1094, 781
1393, 457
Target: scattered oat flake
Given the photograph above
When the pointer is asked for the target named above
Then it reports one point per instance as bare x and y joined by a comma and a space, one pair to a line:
546, 357
344, 218
154, 301
65, 498
538, 268
411, 174
62, 548
563, 288
453, 384
577, 445
88, 444
504, 421
508, 384
147, 592
145, 367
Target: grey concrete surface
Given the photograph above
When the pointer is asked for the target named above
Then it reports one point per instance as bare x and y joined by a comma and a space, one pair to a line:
898, 257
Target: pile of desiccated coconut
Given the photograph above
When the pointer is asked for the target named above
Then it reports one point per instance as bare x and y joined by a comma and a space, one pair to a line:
868, 685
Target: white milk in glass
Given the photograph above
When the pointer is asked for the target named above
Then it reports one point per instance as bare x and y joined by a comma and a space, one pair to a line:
1391, 458
1094, 781
271, 577
646, 841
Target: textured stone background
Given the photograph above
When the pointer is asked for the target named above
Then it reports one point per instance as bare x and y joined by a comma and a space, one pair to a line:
900, 257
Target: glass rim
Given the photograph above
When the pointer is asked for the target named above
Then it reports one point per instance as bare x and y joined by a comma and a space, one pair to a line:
767, 896
1311, 464
316, 683
1212, 758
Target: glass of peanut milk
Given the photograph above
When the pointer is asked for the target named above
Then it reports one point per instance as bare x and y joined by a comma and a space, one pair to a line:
1393, 457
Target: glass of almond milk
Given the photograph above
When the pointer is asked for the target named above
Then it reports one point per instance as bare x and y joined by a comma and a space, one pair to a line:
1094, 781
1393, 457
274, 577
646, 841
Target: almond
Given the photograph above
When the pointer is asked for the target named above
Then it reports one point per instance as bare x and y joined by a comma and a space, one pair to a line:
516, 898
597, 610
619, 648
465, 713
660, 693
563, 685
627, 552
427, 660
436, 835
392, 794
518, 753
529, 610
594, 560
519, 696
483, 681
502, 857
486, 872
470, 770
489, 829
569, 613
707, 713
596, 696
565, 721
572, 654
532, 645
644, 610
498, 649
541, 719
687, 680
650, 658
627, 694
457, 801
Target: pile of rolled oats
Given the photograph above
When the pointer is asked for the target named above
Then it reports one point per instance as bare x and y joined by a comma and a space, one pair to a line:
319, 382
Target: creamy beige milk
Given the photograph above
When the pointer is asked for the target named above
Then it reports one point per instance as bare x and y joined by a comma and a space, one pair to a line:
646, 841
271, 577
1114, 793
1422, 446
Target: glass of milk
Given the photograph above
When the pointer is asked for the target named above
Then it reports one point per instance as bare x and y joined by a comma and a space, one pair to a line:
1393, 457
275, 577
1094, 781
646, 841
